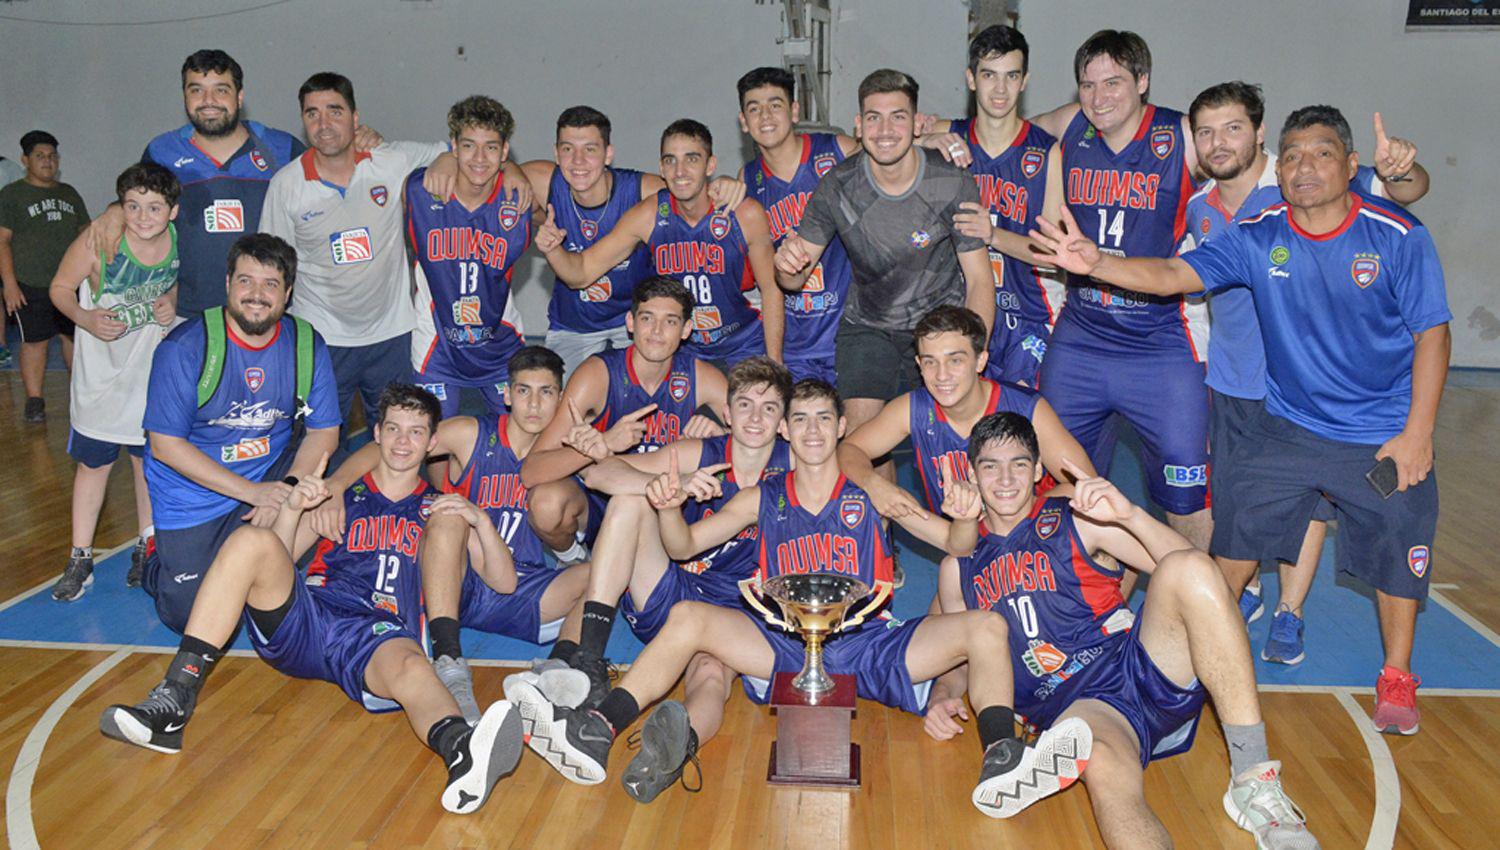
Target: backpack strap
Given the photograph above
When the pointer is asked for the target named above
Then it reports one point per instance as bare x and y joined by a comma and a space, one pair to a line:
304, 364
213, 354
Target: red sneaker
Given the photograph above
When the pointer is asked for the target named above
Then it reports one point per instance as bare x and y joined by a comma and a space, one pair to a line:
1396, 702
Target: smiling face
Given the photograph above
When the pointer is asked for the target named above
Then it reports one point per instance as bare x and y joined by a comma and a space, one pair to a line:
405, 436
998, 82
533, 396
479, 152
949, 365
813, 426
685, 165
582, 156
1110, 96
768, 113
755, 413
1314, 168
257, 296
1006, 474
212, 102
887, 126
146, 213
657, 328
328, 122
1226, 140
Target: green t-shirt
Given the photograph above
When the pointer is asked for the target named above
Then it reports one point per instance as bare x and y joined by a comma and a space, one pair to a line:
43, 223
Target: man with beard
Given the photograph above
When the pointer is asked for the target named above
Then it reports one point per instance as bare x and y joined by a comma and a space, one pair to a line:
229, 395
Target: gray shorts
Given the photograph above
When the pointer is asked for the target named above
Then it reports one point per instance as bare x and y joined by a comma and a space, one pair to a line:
574, 347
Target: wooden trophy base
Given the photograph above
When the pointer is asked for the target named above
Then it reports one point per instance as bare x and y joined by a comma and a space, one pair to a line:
813, 744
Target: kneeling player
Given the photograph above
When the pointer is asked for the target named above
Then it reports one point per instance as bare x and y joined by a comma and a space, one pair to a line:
355, 620
1139, 684
799, 513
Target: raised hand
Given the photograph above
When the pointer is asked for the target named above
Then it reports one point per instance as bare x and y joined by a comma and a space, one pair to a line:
665, 492
704, 484
700, 427
583, 437
1394, 157
548, 235
311, 490
1065, 247
792, 257
960, 496
627, 433
1097, 498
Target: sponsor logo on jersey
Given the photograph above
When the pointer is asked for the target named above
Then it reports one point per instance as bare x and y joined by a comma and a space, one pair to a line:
379, 194
351, 246
1048, 523
385, 602
852, 511
707, 318
1162, 143
315, 580
382, 627
258, 160
697, 567
248, 449
822, 164
439, 391
310, 215
1185, 476
664, 210
920, 238
509, 215
466, 310
1418, 558
1031, 162
1279, 255
718, 225
1043, 659
1364, 271
183, 160
597, 292
1035, 346
589, 228
678, 386
227, 215
255, 377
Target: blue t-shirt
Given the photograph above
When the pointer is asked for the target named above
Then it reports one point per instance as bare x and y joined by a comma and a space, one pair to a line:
1337, 312
245, 427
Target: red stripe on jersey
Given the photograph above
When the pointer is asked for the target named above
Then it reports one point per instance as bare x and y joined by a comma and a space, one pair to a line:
1354, 209
1140, 132
319, 567
1099, 591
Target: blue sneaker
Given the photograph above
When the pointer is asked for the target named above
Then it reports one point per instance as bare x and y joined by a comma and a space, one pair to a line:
1250, 605
1284, 646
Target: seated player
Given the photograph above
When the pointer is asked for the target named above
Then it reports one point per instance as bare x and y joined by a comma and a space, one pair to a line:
799, 513
355, 620
1079, 653
635, 399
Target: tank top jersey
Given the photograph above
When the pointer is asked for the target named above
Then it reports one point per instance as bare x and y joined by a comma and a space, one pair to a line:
720, 570
937, 445
1062, 608
375, 568
676, 398
1133, 204
492, 480
712, 261
107, 392
1013, 186
812, 315
463, 265
601, 305
845, 537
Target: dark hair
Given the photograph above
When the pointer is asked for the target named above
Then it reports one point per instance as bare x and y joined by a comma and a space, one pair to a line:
816, 388
1312, 116
268, 250
482, 112
767, 76
692, 129
410, 397
1238, 92
328, 81
995, 41
662, 287
885, 81
758, 370
999, 427
213, 62
150, 177
534, 357
584, 116
1127, 49
951, 318
34, 138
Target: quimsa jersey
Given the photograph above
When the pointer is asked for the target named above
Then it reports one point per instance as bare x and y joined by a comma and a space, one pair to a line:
1013, 186
492, 480
812, 315
713, 262
937, 445
463, 266
601, 305
845, 537
720, 570
1133, 204
676, 398
375, 568
1062, 608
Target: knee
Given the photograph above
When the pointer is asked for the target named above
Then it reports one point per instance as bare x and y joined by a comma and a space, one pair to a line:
626, 510
1189, 571
685, 622
989, 629
549, 504
252, 547
705, 671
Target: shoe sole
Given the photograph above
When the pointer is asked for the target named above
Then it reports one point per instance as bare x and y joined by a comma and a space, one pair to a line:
117, 723
82, 589
549, 738
1057, 761
509, 687
1297, 659
495, 745
1393, 729
664, 740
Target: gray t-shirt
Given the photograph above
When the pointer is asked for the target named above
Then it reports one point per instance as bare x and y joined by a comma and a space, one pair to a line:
903, 248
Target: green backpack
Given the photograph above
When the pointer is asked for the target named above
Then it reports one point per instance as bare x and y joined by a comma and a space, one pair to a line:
213, 359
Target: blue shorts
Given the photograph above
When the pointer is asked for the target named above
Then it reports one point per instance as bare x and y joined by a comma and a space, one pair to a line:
811, 367
597, 503
517, 614
874, 654
1163, 396
675, 585
449, 394
1226, 432
1017, 348
318, 640
368, 369
96, 453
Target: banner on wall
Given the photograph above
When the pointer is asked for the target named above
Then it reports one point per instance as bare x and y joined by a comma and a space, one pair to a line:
1431, 14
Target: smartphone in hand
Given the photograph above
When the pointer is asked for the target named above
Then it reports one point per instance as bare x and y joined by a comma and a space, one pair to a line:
1382, 476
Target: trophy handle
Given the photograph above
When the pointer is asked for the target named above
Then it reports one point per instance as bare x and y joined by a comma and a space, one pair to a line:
878, 598
750, 589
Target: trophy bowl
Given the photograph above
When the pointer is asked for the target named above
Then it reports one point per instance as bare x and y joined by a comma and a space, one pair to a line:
815, 605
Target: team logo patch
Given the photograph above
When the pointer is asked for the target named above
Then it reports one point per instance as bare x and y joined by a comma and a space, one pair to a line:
255, 377
1043, 659
1204, 226
382, 627
597, 292
822, 164
425, 510
719, 225
1048, 523
663, 210
1418, 558
707, 318
315, 580
351, 246
224, 216
258, 160
678, 386
697, 568
245, 450
379, 195
1162, 143
1364, 271
1031, 162
590, 229
920, 238
852, 511
1279, 255
509, 215
385, 602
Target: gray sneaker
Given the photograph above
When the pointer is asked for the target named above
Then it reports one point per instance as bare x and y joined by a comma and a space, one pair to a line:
559, 683
455, 676
36, 410
76, 577
666, 747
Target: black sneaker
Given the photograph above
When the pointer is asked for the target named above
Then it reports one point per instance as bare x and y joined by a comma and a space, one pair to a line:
155, 724
36, 410
144, 551
574, 741
666, 744
488, 752
1013, 775
76, 578
598, 671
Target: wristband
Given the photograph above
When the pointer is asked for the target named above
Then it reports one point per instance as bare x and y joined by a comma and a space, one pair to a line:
291, 480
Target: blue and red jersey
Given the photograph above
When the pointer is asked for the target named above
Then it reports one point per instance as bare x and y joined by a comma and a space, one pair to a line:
712, 260
676, 397
492, 481
935, 443
844, 537
601, 305
720, 570
375, 568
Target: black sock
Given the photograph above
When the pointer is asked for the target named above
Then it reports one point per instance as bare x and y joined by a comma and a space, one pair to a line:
192, 663
563, 650
996, 723
598, 620
444, 633
445, 735
619, 708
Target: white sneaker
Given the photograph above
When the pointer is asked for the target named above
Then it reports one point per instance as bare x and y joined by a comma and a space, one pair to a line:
1257, 804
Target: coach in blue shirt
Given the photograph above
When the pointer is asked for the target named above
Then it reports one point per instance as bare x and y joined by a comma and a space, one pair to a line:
1354, 316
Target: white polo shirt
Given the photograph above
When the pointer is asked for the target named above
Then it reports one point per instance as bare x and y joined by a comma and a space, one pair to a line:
353, 282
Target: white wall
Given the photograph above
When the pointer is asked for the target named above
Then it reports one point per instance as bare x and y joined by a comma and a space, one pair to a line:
1437, 89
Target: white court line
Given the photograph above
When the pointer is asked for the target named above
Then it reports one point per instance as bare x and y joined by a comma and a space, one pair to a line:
20, 828
1468, 619
27, 594
1387, 783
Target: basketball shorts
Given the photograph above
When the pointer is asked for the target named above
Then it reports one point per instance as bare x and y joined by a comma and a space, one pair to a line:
1017, 348
517, 614
874, 654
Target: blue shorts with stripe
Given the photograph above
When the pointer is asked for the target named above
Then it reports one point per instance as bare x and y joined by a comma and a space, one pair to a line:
675, 585
517, 614
874, 654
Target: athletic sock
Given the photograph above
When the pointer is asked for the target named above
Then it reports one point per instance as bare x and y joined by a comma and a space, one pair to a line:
619, 708
1247, 746
147, 533
445, 640
598, 620
191, 665
563, 650
996, 723
445, 735
86, 552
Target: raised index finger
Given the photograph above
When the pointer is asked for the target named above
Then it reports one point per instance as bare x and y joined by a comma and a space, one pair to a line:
322, 466
642, 413
1380, 137
573, 412
672, 468
1072, 469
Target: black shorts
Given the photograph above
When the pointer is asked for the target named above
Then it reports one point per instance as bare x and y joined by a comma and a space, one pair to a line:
38, 320
874, 363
